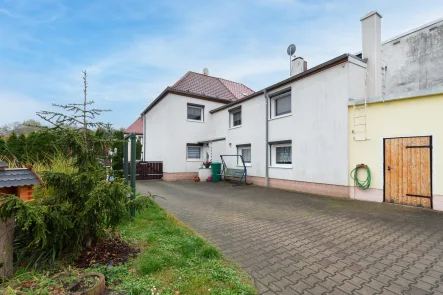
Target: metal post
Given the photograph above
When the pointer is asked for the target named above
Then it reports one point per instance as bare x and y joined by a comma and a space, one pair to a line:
125, 160
133, 173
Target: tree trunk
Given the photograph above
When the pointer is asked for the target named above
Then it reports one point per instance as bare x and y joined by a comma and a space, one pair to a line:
6, 247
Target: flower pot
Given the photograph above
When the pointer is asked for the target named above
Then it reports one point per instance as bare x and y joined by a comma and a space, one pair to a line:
89, 284
204, 173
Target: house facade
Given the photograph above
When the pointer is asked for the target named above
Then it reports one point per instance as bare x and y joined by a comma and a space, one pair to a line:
299, 134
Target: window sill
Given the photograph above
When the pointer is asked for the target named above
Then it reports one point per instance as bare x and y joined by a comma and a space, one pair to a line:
247, 165
193, 160
279, 117
194, 121
281, 167
235, 127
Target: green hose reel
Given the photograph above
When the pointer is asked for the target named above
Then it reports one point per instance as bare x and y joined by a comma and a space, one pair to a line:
361, 184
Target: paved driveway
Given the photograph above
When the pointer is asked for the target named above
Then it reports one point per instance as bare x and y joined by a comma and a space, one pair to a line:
294, 243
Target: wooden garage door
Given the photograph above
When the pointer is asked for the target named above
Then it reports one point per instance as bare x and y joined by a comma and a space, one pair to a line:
408, 171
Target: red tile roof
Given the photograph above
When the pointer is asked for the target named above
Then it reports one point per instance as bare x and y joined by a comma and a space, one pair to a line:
136, 127
211, 86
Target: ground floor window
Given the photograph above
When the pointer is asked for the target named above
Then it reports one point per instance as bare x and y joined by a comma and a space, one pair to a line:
193, 152
245, 151
281, 154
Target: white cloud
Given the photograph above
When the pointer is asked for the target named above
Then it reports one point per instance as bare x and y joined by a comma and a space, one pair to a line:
17, 107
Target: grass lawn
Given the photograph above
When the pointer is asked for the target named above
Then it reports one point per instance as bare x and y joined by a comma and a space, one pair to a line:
173, 260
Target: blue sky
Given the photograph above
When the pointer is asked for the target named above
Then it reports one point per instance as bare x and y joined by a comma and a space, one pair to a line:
133, 49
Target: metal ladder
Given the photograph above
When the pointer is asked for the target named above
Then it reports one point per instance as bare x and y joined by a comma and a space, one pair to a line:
359, 116
383, 80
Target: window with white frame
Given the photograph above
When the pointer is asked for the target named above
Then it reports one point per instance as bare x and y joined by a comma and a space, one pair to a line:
245, 151
235, 117
195, 112
193, 151
281, 103
281, 153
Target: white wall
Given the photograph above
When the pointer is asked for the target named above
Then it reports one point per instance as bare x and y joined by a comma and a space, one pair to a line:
252, 131
140, 138
317, 127
414, 61
167, 131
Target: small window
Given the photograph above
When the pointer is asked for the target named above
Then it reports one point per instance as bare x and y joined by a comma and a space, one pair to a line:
283, 155
283, 105
245, 151
280, 103
195, 112
280, 154
194, 152
236, 118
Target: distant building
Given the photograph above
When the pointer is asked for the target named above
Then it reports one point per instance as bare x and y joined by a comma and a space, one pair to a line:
413, 60
137, 128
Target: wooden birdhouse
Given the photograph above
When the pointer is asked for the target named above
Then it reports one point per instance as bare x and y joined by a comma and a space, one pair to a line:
18, 181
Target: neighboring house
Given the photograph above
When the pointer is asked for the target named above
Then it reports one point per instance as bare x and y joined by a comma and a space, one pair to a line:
18, 181
293, 134
413, 60
137, 128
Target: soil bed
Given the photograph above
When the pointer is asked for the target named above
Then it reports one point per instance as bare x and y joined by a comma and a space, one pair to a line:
111, 251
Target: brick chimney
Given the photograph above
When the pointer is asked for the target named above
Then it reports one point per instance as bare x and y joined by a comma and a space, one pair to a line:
371, 49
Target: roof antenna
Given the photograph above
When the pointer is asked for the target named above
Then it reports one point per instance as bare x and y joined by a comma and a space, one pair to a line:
291, 52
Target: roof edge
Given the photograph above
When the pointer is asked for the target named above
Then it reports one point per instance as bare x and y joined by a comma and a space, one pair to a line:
328, 64
398, 96
184, 93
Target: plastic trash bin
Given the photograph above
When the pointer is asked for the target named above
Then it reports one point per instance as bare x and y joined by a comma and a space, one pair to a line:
216, 168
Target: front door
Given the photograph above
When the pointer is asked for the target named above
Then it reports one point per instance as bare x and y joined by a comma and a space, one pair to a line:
408, 171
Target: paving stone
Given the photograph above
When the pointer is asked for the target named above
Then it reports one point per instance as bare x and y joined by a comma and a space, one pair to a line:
423, 286
398, 289
347, 287
317, 290
291, 243
366, 290
417, 291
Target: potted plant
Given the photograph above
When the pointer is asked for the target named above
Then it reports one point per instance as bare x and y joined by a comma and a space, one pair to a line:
89, 284
205, 171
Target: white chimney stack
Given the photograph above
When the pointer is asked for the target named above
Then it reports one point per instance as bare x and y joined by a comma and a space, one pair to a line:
371, 49
298, 65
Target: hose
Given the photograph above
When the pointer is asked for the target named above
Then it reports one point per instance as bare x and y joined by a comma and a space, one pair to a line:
361, 184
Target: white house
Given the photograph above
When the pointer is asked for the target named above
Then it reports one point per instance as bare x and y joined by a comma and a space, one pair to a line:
292, 134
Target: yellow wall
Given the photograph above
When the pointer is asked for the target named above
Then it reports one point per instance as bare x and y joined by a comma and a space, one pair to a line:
402, 118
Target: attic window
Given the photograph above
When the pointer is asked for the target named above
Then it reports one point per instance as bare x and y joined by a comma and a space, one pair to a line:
396, 42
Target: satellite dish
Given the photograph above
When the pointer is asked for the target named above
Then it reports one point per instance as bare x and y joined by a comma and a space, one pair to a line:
291, 50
